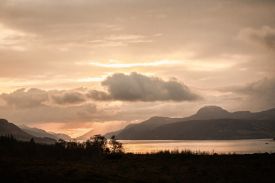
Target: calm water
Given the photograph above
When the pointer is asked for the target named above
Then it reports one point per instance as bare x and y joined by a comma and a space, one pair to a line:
217, 146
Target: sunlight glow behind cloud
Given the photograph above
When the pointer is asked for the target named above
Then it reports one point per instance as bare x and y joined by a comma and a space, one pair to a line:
116, 64
12, 39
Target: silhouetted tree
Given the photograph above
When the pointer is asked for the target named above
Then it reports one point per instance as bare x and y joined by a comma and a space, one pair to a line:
97, 144
32, 141
61, 143
115, 146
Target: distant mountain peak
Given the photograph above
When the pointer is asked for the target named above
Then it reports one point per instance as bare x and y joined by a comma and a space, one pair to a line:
211, 108
209, 112
4, 120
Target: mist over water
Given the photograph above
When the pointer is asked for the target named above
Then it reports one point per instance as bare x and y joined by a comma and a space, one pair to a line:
210, 146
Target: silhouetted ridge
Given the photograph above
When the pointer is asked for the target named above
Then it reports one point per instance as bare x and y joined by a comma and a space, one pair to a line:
212, 112
10, 129
43, 134
248, 125
211, 109
214, 129
134, 131
7, 129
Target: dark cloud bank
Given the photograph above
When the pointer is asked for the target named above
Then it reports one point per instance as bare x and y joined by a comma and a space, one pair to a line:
137, 87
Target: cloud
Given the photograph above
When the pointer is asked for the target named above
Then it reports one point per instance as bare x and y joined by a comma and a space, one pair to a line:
98, 95
133, 87
261, 88
68, 97
36, 105
138, 87
50, 113
13, 39
29, 98
116, 65
260, 93
23, 98
120, 40
121, 87
264, 36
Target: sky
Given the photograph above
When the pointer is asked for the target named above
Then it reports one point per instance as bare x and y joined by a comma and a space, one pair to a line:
73, 66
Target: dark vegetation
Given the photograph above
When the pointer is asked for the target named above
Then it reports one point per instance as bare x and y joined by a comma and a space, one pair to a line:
97, 146
102, 160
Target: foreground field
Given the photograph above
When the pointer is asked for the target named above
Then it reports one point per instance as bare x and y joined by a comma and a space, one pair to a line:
30, 162
142, 168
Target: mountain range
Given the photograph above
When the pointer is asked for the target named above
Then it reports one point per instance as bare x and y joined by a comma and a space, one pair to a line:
42, 133
10, 129
210, 122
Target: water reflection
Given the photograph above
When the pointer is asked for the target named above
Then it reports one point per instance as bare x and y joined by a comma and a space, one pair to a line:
211, 146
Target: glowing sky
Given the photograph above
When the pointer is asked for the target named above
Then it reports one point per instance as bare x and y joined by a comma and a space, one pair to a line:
75, 65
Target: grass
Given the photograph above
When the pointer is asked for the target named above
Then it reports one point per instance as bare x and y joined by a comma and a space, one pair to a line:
28, 162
